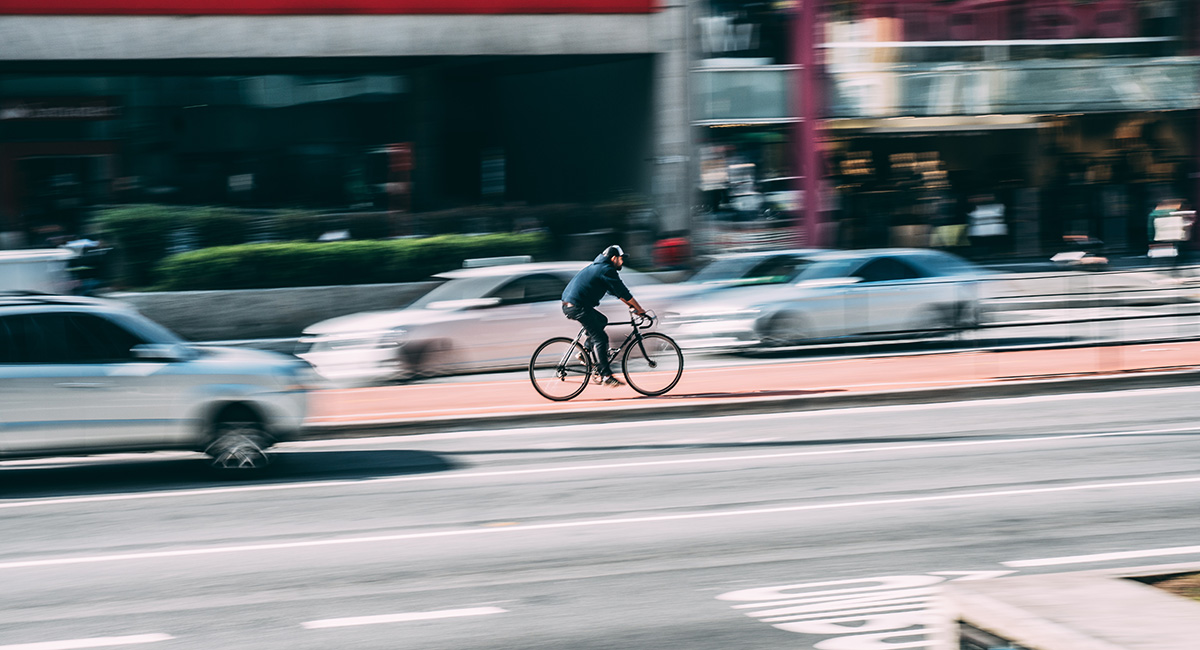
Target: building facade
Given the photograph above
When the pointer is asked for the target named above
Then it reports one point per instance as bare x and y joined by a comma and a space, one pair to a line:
1077, 116
362, 104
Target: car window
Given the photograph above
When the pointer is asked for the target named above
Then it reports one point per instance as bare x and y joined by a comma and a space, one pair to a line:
459, 289
21, 341
529, 289
886, 269
95, 339
946, 264
827, 269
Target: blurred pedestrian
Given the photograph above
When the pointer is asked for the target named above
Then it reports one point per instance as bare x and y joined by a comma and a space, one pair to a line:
986, 227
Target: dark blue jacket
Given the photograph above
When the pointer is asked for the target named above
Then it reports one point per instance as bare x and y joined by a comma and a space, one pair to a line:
593, 281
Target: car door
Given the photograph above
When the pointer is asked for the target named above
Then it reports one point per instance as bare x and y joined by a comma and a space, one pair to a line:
38, 413
134, 402
886, 299
528, 313
70, 384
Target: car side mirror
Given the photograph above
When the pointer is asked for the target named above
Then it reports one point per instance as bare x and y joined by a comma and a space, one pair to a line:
161, 352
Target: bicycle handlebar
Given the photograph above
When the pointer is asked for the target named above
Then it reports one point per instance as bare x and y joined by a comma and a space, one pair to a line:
646, 319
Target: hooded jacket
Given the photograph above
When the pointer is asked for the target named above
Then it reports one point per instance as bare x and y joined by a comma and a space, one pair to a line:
593, 281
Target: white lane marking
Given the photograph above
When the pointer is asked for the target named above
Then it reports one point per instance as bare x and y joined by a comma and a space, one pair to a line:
1105, 557
842, 412
586, 523
28, 503
400, 618
96, 642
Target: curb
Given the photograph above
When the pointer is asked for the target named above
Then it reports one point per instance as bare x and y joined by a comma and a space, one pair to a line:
661, 409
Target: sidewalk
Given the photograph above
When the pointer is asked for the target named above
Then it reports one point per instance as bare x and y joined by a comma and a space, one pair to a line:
760, 388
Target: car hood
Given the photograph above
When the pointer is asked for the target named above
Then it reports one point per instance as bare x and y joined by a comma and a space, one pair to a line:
371, 321
242, 355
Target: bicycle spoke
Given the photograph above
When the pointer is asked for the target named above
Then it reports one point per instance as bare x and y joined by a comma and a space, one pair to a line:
654, 365
559, 369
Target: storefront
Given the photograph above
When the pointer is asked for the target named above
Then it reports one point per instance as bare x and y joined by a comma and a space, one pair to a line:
1076, 117
261, 104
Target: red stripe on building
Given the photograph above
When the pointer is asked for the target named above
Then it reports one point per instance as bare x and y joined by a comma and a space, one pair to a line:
322, 7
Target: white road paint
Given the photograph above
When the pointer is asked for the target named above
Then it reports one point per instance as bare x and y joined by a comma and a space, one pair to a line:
96, 642
586, 523
1103, 557
447, 476
400, 618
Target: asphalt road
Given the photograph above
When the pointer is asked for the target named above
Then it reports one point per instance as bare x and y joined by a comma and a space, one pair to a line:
672, 534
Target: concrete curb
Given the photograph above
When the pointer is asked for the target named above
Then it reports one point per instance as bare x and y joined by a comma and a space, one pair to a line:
661, 408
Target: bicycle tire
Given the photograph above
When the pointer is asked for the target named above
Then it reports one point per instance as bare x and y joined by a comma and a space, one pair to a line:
657, 370
560, 369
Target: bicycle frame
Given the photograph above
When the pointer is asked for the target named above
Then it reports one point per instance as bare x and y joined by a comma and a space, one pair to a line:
634, 335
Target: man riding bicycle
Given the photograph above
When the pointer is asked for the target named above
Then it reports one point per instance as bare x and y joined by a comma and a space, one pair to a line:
583, 294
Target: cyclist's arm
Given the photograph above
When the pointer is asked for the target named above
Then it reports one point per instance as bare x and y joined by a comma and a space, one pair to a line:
633, 303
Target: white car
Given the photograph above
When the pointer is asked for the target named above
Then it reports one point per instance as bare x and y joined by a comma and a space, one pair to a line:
478, 319
837, 295
88, 376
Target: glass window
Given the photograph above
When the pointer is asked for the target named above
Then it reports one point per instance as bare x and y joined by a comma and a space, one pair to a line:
887, 269
93, 339
534, 288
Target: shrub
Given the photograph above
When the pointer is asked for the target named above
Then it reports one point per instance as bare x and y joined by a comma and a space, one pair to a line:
293, 264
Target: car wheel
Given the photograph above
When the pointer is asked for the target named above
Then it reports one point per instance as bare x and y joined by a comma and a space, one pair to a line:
783, 329
430, 359
239, 442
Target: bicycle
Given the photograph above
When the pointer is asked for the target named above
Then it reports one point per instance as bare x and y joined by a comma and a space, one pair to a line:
652, 363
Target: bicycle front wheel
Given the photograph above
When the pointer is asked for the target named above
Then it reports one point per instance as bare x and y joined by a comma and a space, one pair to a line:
560, 369
653, 365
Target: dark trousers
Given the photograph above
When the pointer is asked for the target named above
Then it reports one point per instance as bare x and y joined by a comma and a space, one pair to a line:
594, 322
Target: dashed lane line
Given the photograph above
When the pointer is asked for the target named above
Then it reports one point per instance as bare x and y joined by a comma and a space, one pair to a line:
1103, 557
95, 642
400, 618
586, 523
570, 469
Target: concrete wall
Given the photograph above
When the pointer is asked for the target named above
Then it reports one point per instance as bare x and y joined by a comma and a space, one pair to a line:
265, 313
87, 38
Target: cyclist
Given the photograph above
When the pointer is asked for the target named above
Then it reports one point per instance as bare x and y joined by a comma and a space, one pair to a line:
583, 294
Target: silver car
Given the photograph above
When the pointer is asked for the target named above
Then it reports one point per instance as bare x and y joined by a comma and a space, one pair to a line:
88, 375
477, 319
837, 295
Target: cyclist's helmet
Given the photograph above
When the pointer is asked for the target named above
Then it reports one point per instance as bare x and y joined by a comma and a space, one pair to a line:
613, 251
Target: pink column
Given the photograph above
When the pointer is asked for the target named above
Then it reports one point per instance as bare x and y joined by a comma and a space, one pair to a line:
807, 99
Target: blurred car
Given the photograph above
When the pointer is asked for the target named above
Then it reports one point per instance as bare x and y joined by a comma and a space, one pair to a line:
781, 198
837, 295
748, 268
89, 375
477, 319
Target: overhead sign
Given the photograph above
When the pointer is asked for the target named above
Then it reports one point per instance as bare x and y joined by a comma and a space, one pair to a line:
322, 7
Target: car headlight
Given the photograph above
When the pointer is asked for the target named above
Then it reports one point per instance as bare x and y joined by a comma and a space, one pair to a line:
377, 339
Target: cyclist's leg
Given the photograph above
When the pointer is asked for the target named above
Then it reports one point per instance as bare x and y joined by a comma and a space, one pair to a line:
594, 322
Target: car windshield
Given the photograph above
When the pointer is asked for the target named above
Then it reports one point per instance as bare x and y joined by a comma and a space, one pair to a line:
772, 269
460, 289
948, 265
826, 269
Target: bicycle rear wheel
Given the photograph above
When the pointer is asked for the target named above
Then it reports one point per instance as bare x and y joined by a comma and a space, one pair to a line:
560, 369
653, 366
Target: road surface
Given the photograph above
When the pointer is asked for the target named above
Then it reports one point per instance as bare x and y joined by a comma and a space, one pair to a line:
671, 534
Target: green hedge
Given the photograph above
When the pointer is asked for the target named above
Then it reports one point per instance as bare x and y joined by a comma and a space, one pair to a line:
296, 264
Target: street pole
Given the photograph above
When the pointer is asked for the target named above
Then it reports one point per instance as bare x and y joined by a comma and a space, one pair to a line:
807, 97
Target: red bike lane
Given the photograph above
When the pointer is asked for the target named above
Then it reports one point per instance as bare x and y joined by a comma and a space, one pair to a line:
750, 386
